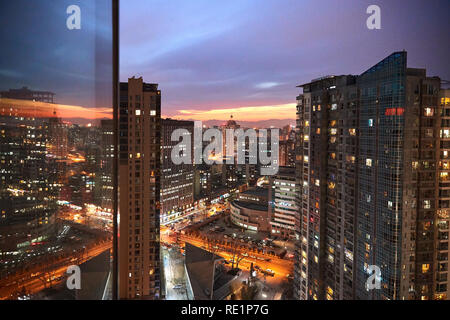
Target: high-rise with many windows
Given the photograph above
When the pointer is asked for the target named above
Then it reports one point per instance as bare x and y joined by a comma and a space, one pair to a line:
282, 202
139, 190
177, 180
372, 172
326, 178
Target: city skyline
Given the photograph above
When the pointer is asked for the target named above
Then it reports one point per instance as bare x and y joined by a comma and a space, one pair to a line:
240, 150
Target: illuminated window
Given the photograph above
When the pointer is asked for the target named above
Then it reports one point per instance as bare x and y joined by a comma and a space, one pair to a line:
425, 268
138, 112
428, 112
369, 162
153, 112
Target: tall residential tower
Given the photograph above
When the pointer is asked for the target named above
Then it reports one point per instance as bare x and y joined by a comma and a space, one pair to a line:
139, 190
372, 168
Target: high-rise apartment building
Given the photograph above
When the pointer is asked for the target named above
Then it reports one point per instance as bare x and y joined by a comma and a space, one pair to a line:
139, 190
105, 174
287, 147
282, 202
287, 153
399, 182
29, 182
326, 170
202, 181
177, 180
372, 172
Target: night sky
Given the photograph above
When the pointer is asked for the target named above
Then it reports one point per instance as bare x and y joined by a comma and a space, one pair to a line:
214, 58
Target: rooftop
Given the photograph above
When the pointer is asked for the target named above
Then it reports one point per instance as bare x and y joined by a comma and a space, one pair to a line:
250, 205
258, 191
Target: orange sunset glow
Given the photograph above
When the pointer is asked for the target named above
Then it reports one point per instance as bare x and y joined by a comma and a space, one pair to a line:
256, 113
26, 108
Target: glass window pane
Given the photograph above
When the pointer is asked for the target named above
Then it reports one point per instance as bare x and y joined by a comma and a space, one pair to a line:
57, 149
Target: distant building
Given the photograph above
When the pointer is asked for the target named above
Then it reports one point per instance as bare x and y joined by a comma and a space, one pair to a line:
177, 180
282, 202
29, 180
287, 153
26, 94
105, 172
250, 210
202, 182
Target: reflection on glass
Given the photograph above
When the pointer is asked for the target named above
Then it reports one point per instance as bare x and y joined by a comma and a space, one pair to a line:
56, 138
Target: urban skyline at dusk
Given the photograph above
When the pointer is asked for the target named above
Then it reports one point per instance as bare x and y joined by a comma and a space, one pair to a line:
230, 151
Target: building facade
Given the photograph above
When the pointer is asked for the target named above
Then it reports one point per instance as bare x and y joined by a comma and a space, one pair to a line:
371, 168
177, 180
139, 190
282, 202
326, 169
250, 210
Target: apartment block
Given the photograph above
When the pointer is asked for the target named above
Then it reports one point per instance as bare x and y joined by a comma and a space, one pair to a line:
372, 170
177, 180
139, 190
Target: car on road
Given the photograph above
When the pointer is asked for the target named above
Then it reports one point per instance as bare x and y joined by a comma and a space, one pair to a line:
269, 272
